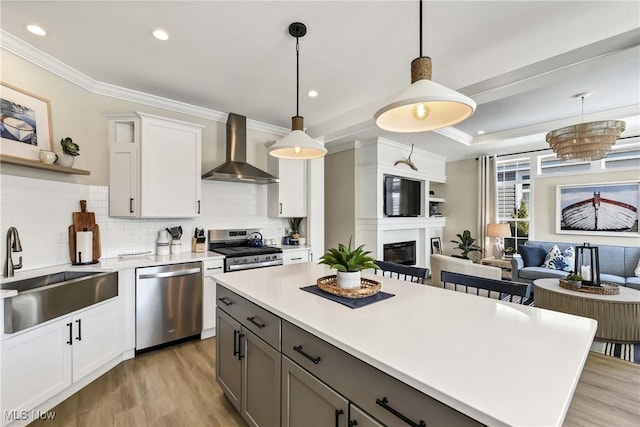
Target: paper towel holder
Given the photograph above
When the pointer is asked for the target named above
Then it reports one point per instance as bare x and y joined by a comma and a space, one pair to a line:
78, 255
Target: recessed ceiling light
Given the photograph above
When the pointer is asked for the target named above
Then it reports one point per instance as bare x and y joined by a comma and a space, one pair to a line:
160, 35
37, 30
480, 132
312, 93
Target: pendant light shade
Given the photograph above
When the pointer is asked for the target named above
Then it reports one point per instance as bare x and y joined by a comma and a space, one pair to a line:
297, 145
425, 105
585, 142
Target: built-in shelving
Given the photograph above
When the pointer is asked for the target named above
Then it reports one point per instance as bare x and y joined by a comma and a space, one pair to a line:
35, 164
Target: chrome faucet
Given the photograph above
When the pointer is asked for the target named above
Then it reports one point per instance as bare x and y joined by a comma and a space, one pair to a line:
13, 245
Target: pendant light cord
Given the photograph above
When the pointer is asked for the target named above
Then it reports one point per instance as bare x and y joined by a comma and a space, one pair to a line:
297, 76
420, 19
582, 120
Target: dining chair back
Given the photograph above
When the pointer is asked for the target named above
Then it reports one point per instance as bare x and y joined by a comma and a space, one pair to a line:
519, 293
402, 272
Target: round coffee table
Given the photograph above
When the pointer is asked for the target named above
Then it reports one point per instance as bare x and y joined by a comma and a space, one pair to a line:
618, 316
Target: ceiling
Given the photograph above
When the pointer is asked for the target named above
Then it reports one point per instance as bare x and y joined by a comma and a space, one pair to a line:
521, 61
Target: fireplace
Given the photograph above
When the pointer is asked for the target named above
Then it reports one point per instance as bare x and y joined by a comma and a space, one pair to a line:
400, 252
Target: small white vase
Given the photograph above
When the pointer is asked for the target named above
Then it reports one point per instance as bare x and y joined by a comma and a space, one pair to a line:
64, 159
348, 280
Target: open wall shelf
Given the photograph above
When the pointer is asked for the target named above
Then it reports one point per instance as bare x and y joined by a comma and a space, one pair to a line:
35, 164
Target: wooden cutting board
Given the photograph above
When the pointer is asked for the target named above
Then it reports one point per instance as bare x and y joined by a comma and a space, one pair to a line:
83, 219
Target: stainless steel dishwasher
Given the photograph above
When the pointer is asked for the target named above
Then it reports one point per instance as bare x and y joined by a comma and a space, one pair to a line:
168, 303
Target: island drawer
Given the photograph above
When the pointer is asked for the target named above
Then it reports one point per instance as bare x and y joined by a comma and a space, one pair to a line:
258, 320
384, 397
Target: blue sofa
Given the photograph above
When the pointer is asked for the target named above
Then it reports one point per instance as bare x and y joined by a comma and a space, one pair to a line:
617, 265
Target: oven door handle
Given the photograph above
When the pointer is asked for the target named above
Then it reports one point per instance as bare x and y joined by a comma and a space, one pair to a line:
254, 265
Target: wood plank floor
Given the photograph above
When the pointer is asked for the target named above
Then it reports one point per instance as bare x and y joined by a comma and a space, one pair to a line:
176, 386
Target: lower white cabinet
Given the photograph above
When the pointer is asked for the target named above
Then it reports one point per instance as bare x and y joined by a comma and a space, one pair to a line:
248, 370
295, 256
38, 364
209, 268
307, 401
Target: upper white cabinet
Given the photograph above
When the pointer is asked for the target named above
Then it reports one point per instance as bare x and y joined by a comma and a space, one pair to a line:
155, 165
287, 198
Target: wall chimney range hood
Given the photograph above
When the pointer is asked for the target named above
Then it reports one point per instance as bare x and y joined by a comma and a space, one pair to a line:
236, 168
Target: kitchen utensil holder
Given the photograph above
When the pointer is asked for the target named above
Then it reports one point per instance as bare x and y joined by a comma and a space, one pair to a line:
176, 247
197, 247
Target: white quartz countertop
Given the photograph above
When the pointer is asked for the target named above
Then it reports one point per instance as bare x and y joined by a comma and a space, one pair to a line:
497, 362
110, 264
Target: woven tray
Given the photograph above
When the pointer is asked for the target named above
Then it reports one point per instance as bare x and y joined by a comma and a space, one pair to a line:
603, 289
367, 287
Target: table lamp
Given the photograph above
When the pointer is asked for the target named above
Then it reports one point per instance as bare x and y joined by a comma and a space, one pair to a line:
499, 231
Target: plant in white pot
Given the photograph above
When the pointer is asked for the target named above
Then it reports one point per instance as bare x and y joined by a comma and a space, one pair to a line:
68, 153
349, 264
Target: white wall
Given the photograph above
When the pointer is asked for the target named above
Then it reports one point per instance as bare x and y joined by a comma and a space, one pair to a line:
339, 196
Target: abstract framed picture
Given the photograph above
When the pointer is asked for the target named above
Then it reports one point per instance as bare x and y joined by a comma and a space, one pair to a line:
25, 123
436, 246
598, 209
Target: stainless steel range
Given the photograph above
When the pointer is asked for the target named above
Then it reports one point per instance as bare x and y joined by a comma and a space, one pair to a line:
243, 249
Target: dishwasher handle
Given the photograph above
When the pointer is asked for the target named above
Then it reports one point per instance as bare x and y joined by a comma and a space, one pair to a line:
169, 274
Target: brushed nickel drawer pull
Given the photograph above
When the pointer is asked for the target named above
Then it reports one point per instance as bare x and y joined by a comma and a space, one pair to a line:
384, 403
315, 360
226, 301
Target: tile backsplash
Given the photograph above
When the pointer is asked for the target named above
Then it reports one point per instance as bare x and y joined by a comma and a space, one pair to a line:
41, 211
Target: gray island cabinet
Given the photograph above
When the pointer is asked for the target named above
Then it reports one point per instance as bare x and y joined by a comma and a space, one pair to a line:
425, 357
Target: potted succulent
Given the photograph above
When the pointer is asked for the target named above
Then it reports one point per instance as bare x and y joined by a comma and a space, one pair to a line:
68, 153
349, 264
574, 279
294, 223
466, 244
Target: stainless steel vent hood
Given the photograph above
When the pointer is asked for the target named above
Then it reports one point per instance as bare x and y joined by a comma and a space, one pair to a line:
236, 167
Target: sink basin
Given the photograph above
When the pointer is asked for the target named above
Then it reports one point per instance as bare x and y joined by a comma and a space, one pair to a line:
44, 298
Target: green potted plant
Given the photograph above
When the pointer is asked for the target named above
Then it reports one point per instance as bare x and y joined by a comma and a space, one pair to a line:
67, 154
466, 244
349, 264
509, 252
574, 279
294, 224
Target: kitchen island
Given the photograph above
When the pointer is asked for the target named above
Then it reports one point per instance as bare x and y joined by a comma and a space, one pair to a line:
495, 362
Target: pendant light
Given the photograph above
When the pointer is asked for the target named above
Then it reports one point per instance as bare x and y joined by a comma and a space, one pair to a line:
425, 105
297, 145
585, 142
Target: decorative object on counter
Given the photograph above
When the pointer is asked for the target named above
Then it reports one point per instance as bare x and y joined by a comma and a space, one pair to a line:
585, 142
286, 240
176, 235
84, 222
68, 152
176, 246
302, 241
297, 145
425, 105
198, 241
351, 302
366, 288
603, 289
407, 161
162, 243
294, 223
349, 263
587, 262
26, 119
139, 253
48, 157
466, 244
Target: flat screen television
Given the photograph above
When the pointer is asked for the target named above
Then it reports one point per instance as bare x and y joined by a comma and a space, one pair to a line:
402, 197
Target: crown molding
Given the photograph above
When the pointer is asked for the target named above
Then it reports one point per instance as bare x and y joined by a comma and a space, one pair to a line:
24, 50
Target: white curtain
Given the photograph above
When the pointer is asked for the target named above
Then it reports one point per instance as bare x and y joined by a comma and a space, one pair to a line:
487, 200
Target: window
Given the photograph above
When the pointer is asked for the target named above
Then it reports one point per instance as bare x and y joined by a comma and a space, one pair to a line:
514, 197
623, 156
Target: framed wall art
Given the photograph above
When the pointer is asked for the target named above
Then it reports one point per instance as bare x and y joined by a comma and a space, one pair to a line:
436, 246
25, 123
604, 209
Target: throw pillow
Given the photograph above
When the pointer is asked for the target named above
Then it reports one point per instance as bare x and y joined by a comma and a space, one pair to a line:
558, 260
532, 256
637, 270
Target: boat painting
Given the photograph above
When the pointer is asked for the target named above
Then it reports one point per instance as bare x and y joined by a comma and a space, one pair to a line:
600, 208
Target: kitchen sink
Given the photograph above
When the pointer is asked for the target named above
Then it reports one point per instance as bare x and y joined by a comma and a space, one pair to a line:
44, 298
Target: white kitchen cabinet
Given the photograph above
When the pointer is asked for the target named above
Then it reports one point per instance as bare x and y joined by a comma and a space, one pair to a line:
287, 198
155, 167
210, 267
42, 362
295, 256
